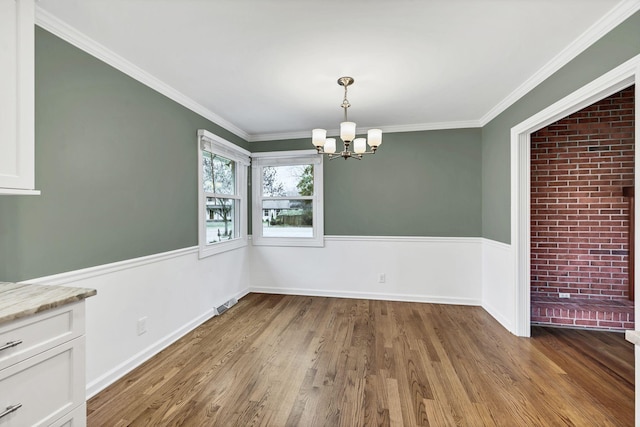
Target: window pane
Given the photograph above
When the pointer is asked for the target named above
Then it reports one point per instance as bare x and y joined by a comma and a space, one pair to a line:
279, 181
220, 219
224, 175
207, 171
287, 218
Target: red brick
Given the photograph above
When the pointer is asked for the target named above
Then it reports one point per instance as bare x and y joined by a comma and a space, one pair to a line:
608, 324
579, 217
586, 323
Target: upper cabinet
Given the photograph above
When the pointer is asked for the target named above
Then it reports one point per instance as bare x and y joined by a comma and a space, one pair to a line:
17, 154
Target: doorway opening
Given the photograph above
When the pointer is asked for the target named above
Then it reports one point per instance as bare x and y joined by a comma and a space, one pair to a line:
582, 186
614, 81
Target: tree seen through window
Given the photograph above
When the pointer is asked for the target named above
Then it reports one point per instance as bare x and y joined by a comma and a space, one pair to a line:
219, 180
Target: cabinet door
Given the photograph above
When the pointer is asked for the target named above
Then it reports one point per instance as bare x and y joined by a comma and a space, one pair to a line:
44, 387
16, 96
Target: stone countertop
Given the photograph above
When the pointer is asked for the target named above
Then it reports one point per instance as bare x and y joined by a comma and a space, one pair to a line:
20, 300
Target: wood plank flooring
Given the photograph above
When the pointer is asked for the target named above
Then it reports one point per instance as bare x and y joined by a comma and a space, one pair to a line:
275, 360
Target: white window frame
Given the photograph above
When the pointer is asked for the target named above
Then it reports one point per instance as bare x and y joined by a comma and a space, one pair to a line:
213, 143
287, 158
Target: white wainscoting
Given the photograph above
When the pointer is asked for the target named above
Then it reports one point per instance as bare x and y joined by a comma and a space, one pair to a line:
175, 291
425, 269
498, 282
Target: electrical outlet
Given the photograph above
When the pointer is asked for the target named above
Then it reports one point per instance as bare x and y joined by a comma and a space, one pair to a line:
564, 295
142, 325
382, 278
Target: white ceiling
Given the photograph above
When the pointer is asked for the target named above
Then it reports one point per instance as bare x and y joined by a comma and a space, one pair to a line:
269, 67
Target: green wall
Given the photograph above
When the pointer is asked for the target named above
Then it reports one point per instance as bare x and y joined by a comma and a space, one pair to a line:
418, 184
621, 44
116, 164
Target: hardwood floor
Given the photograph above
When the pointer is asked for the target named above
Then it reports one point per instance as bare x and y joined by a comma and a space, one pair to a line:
275, 360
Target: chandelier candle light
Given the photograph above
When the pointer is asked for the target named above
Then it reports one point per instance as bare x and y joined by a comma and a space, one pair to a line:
327, 146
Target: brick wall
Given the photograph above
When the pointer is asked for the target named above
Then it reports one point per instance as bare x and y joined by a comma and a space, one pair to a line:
579, 218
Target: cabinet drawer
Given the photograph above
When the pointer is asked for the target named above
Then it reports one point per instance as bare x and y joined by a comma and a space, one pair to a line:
40, 332
47, 385
75, 418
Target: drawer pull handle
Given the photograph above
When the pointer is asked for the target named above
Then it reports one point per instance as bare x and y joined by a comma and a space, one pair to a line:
10, 344
10, 409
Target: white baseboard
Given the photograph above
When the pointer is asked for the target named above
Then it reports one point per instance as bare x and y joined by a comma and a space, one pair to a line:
365, 295
444, 270
500, 317
175, 291
111, 376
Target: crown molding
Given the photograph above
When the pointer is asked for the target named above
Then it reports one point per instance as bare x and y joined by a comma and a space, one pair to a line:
608, 22
432, 126
61, 29
386, 129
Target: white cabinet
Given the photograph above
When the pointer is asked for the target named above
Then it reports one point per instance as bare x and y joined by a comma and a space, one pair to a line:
42, 370
17, 114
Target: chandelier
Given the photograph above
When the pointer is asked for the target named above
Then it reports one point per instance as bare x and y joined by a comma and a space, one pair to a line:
327, 146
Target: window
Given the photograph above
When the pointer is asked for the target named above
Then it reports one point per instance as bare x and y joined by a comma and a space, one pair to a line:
287, 198
222, 194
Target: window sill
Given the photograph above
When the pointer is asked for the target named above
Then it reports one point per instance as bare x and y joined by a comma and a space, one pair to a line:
222, 247
19, 192
292, 242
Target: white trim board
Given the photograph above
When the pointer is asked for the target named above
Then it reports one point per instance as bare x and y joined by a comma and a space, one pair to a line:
100, 270
446, 270
404, 239
174, 291
113, 375
431, 299
385, 129
607, 23
497, 282
421, 269
97, 384
66, 278
606, 85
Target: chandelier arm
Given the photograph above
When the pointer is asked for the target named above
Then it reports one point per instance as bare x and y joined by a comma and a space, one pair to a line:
349, 155
346, 153
342, 154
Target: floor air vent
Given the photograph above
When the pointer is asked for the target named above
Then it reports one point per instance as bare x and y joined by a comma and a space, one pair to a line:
224, 307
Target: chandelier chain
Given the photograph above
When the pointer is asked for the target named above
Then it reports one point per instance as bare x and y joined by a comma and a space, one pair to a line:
345, 103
